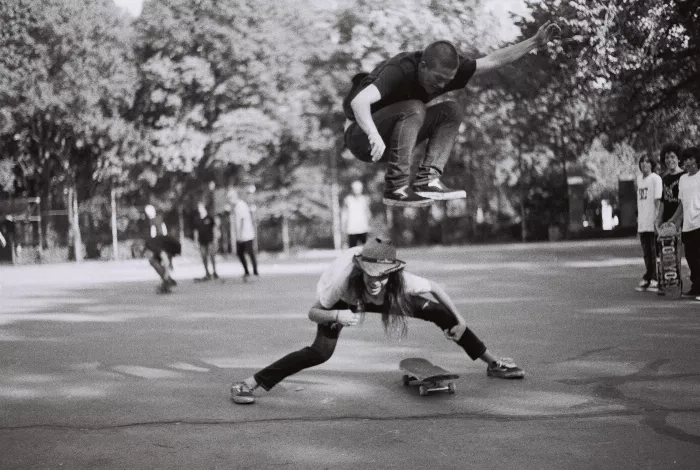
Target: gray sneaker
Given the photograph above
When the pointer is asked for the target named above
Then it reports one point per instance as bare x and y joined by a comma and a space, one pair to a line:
242, 394
505, 368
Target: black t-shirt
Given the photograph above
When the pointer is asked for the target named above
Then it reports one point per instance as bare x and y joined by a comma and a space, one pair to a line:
397, 80
205, 229
669, 195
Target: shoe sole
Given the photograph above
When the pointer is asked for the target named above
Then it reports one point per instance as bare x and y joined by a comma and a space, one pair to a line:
246, 401
515, 375
443, 196
397, 203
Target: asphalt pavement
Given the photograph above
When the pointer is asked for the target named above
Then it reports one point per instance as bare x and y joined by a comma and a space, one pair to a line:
99, 371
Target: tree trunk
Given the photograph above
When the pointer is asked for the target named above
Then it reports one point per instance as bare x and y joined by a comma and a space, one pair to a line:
115, 241
335, 202
286, 245
75, 224
523, 226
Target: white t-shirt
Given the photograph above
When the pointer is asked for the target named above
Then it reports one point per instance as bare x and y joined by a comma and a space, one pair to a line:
244, 222
357, 214
334, 283
649, 190
689, 194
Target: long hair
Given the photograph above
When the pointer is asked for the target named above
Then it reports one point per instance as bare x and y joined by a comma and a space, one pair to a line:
396, 306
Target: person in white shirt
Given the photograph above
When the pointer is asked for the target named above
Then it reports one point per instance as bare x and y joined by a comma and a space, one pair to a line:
649, 191
245, 232
371, 279
688, 215
356, 215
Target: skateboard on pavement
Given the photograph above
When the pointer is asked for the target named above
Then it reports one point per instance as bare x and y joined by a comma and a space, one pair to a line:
669, 264
428, 377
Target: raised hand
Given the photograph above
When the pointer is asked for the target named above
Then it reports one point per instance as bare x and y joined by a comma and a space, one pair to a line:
545, 34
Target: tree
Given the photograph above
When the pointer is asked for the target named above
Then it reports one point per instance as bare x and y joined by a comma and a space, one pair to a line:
65, 76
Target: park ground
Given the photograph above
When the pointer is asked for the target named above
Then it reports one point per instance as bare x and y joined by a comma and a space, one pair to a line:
98, 371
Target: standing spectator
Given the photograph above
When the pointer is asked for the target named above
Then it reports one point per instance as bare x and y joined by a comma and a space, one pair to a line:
356, 215
670, 154
206, 234
7, 238
688, 213
160, 249
245, 232
648, 199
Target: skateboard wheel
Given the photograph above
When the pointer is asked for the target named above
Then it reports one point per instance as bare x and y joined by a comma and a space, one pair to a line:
423, 390
406, 380
451, 387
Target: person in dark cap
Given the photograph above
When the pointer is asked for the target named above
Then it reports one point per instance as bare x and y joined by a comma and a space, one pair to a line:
372, 279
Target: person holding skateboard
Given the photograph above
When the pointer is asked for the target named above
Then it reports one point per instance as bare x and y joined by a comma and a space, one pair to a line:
687, 215
670, 154
388, 113
371, 279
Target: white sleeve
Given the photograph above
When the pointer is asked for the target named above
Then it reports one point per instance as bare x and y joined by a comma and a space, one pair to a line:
415, 285
658, 187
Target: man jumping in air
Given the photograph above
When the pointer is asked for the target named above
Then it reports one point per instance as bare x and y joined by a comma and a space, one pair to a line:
388, 115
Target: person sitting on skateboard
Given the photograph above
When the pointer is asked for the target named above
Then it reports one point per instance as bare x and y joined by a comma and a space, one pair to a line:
372, 279
388, 113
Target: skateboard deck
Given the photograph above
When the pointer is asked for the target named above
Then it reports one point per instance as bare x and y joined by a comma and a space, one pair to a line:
428, 377
669, 264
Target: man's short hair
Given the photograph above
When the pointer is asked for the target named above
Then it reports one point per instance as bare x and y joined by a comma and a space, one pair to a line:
441, 54
649, 159
691, 152
670, 147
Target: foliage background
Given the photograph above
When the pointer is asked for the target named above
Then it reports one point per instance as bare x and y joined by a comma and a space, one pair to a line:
200, 93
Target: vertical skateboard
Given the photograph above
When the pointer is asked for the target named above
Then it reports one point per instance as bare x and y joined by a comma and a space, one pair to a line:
428, 377
669, 264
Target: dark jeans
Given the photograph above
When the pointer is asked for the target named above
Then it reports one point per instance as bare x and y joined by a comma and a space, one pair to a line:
247, 247
648, 241
691, 245
327, 336
402, 126
355, 239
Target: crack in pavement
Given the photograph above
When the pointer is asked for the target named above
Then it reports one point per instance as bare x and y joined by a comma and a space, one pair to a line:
449, 416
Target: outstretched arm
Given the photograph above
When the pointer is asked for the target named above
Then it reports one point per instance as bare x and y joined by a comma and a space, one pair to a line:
512, 53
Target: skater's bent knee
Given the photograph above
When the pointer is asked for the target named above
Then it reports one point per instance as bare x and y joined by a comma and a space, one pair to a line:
414, 107
451, 109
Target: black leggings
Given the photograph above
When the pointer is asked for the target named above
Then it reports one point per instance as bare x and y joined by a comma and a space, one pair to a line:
327, 336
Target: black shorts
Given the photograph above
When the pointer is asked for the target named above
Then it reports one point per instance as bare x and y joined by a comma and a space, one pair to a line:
164, 243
